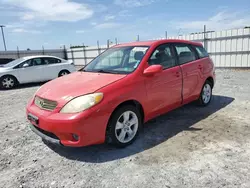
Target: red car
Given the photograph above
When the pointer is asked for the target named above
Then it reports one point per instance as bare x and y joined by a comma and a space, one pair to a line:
124, 87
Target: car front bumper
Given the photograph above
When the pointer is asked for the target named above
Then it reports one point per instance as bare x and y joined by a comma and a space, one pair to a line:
89, 126
45, 136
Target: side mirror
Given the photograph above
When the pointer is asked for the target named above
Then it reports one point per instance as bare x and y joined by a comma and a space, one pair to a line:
25, 65
152, 70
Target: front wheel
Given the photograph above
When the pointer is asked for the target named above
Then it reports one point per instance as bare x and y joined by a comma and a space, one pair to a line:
8, 82
124, 126
206, 94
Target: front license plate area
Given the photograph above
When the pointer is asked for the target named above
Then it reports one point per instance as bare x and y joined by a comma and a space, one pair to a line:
33, 118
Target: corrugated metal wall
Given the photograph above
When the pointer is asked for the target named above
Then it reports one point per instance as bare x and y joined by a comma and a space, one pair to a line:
228, 48
23, 53
82, 56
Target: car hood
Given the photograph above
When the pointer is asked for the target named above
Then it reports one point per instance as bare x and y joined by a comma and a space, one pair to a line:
4, 69
75, 84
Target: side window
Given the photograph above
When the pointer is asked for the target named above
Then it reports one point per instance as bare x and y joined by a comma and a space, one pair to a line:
29, 62
37, 62
50, 60
201, 51
162, 56
185, 53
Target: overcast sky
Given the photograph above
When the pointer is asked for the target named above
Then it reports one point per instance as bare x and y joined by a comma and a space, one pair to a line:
53, 23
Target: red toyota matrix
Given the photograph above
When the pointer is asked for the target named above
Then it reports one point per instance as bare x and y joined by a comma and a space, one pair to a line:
124, 87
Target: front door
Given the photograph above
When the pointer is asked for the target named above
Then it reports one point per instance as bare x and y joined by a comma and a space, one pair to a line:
164, 89
32, 72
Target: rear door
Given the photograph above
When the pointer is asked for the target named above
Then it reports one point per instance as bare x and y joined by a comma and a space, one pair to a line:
206, 64
52, 67
191, 68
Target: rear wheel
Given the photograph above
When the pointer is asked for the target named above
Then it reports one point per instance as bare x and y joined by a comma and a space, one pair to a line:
206, 94
63, 73
8, 82
124, 126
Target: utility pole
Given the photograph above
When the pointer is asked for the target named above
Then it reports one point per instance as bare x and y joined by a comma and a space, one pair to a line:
179, 32
2, 26
205, 42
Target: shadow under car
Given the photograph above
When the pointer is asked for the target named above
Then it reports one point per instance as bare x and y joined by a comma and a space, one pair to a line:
154, 132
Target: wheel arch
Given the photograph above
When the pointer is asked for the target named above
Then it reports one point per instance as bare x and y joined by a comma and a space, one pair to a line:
132, 102
211, 80
10, 76
62, 71
135, 103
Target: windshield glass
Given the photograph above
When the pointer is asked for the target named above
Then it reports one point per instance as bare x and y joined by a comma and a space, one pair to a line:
15, 62
120, 60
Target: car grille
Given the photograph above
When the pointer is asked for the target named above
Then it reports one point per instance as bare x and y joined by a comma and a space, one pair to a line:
45, 104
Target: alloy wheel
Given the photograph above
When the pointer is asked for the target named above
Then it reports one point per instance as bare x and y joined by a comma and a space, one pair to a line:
8, 82
206, 93
126, 126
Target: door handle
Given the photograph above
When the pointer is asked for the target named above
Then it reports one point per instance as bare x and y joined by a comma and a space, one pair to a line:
199, 66
177, 74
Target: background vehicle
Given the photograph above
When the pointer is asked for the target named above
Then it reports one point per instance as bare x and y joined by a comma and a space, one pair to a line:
33, 69
121, 89
5, 60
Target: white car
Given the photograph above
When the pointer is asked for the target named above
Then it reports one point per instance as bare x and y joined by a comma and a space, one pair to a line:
33, 69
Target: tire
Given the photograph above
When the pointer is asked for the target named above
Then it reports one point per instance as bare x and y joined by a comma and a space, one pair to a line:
206, 94
121, 132
8, 82
63, 73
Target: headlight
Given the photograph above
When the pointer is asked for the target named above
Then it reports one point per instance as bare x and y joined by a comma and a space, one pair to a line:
82, 103
33, 96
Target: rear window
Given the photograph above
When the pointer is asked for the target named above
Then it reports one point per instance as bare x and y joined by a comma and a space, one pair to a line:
201, 51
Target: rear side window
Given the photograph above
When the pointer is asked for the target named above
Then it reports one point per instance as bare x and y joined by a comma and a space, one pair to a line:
185, 53
49, 60
201, 51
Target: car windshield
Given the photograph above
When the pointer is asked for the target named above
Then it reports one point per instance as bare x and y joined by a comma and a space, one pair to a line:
118, 60
14, 62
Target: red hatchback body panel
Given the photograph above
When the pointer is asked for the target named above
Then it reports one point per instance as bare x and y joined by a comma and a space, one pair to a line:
79, 83
157, 94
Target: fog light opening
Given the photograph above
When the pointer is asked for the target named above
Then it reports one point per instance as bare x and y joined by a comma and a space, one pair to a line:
75, 136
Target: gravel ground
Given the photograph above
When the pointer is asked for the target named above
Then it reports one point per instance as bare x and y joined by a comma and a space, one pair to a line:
189, 147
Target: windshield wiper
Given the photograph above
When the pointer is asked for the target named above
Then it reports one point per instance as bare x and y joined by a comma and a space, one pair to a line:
104, 71
100, 71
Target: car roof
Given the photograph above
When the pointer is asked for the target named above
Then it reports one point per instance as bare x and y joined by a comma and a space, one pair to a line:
38, 56
158, 42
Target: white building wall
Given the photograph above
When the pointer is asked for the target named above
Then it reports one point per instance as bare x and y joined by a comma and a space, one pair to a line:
227, 48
